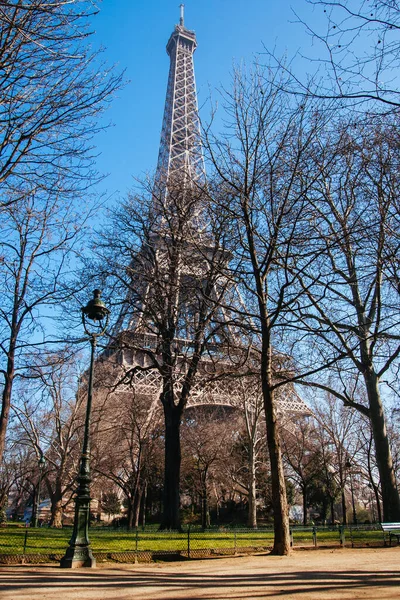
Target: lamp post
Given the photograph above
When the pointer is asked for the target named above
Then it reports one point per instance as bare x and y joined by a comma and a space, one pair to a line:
79, 552
41, 465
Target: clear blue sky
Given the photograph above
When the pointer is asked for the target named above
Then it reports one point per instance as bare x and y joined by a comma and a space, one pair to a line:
134, 34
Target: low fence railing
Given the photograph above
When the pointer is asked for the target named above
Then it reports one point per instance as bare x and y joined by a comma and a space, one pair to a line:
18, 544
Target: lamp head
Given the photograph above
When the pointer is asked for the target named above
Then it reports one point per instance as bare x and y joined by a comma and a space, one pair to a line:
95, 309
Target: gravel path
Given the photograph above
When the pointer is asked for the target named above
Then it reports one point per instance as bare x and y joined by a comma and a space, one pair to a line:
305, 575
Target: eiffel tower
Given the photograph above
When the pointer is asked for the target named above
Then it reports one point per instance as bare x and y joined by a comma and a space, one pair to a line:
180, 163
196, 360
181, 152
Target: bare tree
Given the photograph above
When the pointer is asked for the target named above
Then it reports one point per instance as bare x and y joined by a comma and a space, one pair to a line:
350, 307
11, 470
165, 261
355, 55
339, 436
264, 173
126, 443
38, 236
301, 455
49, 411
20, 470
367, 459
52, 89
206, 442
253, 440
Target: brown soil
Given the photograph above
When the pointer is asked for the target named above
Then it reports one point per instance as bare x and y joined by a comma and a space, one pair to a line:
315, 575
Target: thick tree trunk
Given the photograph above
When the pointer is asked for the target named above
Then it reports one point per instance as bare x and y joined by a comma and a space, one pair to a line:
279, 501
56, 513
6, 401
390, 494
131, 502
171, 496
56, 506
252, 516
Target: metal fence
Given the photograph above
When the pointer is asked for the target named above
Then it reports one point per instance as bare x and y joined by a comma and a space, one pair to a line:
340, 536
32, 545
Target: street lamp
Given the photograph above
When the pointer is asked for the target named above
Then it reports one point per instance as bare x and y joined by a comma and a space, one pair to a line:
79, 552
41, 465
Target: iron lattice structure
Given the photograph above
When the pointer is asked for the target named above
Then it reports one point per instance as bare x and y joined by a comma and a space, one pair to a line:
225, 391
181, 152
181, 160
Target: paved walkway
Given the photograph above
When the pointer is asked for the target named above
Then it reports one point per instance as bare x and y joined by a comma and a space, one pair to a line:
305, 575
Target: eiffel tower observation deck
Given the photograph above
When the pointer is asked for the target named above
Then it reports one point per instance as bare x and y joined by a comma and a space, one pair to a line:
180, 167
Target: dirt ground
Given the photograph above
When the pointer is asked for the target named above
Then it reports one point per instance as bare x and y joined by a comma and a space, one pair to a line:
340, 574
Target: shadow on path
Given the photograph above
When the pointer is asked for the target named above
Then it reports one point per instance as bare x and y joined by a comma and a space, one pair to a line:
282, 582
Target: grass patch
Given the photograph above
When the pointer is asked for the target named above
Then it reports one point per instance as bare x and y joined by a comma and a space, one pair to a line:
18, 540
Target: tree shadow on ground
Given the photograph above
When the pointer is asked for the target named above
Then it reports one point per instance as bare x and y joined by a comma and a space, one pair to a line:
280, 583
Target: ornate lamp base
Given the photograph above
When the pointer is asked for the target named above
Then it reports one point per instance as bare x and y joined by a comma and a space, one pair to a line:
79, 551
76, 557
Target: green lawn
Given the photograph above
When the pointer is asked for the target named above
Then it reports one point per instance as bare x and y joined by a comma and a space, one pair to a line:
13, 540
41, 541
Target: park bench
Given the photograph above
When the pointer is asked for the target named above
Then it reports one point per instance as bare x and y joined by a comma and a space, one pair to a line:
393, 529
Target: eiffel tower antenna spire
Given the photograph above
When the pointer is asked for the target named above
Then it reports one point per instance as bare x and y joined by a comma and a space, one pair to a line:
180, 153
182, 19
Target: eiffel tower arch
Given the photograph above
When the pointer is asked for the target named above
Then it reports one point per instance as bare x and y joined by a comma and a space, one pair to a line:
176, 342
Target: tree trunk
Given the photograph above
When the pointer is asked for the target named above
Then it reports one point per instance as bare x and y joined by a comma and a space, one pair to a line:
171, 496
378, 505
353, 502
252, 516
279, 501
131, 502
56, 504
372, 484
144, 505
324, 511
390, 494
138, 501
305, 501
205, 513
34, 505
6, 399
344, 508
204, 509
216, 505
56, 513
332, 503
